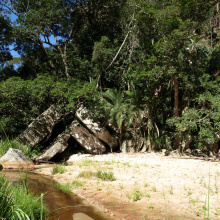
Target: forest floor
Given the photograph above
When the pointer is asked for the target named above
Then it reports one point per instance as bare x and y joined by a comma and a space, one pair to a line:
146, 185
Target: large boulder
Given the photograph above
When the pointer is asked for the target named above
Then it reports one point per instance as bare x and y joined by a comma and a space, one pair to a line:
95, 128
40, 128
15, 159
87, 140
58, 146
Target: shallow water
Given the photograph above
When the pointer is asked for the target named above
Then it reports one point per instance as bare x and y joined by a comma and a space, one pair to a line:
61, 205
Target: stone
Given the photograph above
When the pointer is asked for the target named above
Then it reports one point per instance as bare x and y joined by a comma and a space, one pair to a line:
81, 216
15, 159
128, 146
40, 128
87, 140
58, 146
95, 128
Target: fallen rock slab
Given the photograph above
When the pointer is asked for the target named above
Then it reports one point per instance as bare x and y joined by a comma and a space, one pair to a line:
57, 147
83, 137
87, 140
95, 128
15, 159
40, 128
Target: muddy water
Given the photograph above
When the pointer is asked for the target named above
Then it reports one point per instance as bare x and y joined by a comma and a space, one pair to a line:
61, 205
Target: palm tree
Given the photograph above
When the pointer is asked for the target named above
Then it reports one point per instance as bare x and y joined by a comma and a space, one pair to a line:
116, 109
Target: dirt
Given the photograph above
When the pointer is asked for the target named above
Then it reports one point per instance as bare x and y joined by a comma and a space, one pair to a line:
146, 185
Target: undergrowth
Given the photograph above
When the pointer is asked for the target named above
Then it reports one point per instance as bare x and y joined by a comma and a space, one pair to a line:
17, 203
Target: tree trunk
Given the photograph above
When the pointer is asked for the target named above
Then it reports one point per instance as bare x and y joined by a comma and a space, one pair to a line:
177, 143
176, 95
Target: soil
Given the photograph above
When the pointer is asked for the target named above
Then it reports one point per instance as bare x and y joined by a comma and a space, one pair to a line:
146, 185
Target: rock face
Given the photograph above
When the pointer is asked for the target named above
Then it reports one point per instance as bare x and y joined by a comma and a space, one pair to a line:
15, 159
57, 147
128, 146
40, 128
95, 128
87, 140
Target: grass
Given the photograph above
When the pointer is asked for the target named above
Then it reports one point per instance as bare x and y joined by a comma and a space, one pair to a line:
59, 168
17, 203
105, 175
86, 162
67, 187
86, 174
6, 144
171, 190
135, 195
78, 183
154, 189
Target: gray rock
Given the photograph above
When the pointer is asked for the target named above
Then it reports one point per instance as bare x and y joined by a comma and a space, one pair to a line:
87, 140
81, 216
95, 128
40, 128
15, 159
58, 146
128, 146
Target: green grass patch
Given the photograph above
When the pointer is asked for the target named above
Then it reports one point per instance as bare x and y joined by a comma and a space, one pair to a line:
86, 174
135, 195
105, 175
67, 187
59, 168
86, 162
77, 183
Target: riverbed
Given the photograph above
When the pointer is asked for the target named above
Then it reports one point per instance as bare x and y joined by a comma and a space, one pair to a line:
61, 205
146, 185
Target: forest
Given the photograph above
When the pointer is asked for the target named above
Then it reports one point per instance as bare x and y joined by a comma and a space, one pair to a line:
150, 68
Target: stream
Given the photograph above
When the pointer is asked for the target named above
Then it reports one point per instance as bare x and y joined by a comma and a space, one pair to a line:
61, 205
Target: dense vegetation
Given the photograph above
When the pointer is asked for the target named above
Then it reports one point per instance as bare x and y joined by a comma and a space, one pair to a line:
155, 62
16, 203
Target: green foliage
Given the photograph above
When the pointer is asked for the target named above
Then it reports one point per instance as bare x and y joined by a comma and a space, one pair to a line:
16, 203
105, 175
154, 43
23, 100
135, 195
203, 120
5, 144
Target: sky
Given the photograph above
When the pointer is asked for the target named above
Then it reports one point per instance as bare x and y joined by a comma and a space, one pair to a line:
13, 17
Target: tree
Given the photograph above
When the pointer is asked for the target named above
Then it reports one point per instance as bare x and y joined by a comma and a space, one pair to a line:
5, 41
